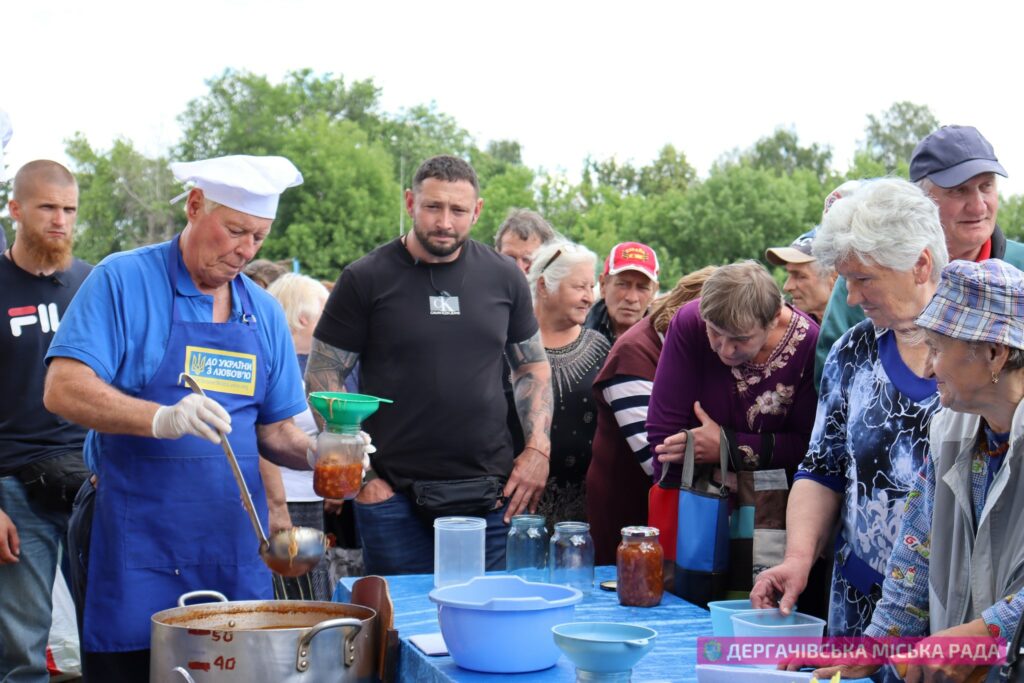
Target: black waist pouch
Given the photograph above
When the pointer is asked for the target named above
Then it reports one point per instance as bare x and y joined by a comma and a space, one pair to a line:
54, 482
461, 497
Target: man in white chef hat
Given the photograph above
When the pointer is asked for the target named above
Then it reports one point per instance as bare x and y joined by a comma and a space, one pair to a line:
166, 517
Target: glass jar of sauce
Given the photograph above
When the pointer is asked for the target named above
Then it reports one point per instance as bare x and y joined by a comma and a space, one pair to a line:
338, 470
638, 559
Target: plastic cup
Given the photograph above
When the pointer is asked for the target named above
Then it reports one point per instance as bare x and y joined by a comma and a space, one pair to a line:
721, 613
459, 549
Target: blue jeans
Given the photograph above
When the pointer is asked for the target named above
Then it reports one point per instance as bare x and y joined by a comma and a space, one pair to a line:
396, 541
26, 587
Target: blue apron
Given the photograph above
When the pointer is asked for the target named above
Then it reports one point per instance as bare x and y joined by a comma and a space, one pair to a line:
168, 516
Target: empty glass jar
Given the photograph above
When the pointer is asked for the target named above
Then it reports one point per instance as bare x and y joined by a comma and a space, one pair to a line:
526, 549
571, 556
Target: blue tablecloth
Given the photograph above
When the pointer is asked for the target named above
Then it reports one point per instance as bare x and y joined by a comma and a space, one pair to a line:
673, 657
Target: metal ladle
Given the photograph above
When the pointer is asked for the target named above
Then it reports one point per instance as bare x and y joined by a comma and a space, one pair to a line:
288, 552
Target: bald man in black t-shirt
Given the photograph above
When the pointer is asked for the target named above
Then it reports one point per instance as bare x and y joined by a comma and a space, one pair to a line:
40, 453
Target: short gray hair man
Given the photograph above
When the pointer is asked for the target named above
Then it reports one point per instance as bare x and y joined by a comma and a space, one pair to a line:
521, 234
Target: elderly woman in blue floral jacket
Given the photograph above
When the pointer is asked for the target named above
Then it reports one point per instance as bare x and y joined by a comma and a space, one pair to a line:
959, 568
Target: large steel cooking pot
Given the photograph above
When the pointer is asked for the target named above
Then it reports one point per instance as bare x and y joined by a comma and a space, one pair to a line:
276, 641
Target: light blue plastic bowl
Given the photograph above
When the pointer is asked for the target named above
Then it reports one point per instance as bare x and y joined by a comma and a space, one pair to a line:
602, 647
721, 610
770, 623
502, 624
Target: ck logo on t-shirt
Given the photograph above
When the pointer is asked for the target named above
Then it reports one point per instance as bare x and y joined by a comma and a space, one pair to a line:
444, 305
23, 316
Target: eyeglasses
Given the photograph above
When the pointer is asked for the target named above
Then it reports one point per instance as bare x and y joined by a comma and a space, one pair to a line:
551, 260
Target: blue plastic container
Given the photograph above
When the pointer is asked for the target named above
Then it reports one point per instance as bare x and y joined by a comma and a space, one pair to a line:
721, 610
770, 623
502, 624
604, 648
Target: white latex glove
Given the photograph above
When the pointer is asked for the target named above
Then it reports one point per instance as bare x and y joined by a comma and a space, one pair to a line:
196, 415
370, 448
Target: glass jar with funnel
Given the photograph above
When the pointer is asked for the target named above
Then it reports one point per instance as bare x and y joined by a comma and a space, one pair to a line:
340, 447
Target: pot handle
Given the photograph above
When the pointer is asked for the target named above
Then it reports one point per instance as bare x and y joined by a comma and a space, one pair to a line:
184, 674
185, 597
349, 646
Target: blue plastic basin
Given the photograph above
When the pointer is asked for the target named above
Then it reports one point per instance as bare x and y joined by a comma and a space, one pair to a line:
502, 624
600, 647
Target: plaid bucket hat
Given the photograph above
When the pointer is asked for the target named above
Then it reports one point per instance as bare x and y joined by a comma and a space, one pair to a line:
979, 302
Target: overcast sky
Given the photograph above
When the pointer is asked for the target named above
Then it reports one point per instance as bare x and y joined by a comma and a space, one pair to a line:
566, 79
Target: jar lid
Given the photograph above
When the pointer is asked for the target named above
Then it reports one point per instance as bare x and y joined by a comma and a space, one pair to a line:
640, 531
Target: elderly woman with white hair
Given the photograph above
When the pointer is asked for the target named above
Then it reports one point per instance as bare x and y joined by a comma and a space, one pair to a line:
966, 502
302, 299
875, 400
562, 284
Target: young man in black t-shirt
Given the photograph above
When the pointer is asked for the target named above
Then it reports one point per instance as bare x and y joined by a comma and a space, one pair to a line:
38, 278
428, 317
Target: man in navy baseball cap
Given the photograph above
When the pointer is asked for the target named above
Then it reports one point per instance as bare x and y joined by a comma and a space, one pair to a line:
957, 167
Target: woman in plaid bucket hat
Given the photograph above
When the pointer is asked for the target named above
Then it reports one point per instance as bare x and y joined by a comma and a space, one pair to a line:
958, 571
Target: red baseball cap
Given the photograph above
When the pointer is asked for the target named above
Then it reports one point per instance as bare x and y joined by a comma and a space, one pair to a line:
632, 256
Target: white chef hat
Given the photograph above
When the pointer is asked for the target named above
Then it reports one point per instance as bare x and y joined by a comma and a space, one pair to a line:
249, 184
6, 131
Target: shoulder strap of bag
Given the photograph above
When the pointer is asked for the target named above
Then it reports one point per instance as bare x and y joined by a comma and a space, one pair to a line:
689, 460
686, 482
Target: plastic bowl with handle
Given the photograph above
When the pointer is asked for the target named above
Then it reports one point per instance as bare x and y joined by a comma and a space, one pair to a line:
502, 624
603, 647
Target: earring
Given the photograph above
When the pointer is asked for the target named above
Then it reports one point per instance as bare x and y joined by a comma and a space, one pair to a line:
995, 378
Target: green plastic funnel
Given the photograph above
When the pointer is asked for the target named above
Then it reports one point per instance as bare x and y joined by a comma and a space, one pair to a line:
343, 411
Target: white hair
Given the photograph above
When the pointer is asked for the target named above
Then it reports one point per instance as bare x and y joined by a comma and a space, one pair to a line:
556, 259
299, 296
887, 222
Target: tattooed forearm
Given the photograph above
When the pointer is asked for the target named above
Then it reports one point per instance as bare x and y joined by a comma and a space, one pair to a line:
529, 351
328, 367
534, 401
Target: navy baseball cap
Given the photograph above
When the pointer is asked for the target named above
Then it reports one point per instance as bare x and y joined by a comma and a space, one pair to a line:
953, 155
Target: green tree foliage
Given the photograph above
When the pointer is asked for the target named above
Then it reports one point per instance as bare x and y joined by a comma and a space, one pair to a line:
356, 160
669, 171
739, 212
123, 199
781, 153
348, 203
1011, 216
244, 113
892, 135
510, 189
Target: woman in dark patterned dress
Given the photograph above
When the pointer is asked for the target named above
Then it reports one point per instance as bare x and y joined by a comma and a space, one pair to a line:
562, 283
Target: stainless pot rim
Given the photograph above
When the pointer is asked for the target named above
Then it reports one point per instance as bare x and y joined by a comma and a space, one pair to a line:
305, 613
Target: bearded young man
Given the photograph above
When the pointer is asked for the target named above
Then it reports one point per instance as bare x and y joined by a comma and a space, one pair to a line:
428, 316
41, 464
